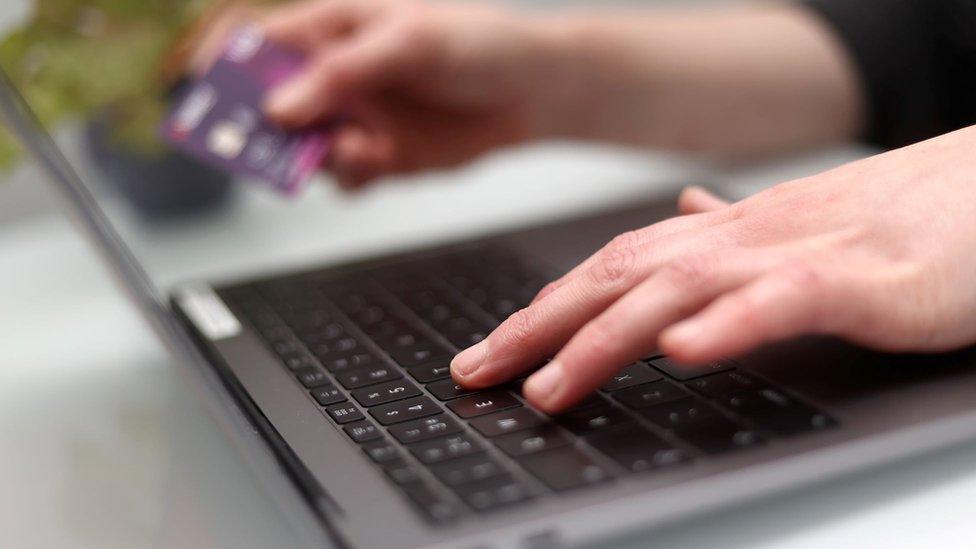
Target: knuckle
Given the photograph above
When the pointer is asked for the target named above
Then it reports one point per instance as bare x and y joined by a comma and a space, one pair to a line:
746, 310
805, 280
691, 271
617, 261
737, 211
629, 240
803, 277
548, 289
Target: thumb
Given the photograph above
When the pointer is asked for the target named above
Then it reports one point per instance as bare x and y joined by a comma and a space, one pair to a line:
694, 200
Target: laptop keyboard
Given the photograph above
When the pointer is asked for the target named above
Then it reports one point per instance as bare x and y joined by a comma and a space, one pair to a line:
372, 348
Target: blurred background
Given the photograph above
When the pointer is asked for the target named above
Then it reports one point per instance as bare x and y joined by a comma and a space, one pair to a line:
67, 90
101, 442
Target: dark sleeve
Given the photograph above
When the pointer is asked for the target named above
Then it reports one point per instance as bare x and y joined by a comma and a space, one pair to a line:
916, 60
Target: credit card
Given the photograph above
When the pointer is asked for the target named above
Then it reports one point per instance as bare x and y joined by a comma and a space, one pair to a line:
218, 118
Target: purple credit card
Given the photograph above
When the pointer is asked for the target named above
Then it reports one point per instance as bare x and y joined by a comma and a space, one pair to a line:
219, 120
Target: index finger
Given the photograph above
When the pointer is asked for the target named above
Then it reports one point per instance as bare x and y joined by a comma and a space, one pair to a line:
539, 330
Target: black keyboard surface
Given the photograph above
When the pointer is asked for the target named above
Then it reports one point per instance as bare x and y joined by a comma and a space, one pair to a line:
373, 347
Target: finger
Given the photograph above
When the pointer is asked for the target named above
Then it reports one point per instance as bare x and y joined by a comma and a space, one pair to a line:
635, 239
359, 156
694, 200
356, 68
311, 24
209, 38
539, 330
787, 302
628, 329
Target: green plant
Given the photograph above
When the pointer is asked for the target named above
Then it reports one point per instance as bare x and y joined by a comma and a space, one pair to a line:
75, 58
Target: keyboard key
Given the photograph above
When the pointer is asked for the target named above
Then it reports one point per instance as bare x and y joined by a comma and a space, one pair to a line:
345, 345
381, 451
590, 401
777, 412
362, 377
462, 339
311, 377
678, 412
426, 428
493, 492
344, 413
299, 361
287, 347
404, 410
422, 298
592, 418
419, 354
342, 346
636, 448
306, 321
635, 374
430, 503
717, 434
467, 469
649, 394
482, 404
400, 471
370, 315
452, 321
434, 371
327, 394
352, 302
386, 334
757, 401
324, 333
724, 384
343, 363
564, 468
322, 350
506, 422
390, 391
444, 448
400, 339
446, 389
529, 441
362, 431
690, 371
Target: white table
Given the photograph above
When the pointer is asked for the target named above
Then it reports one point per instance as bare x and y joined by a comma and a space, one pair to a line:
102, 446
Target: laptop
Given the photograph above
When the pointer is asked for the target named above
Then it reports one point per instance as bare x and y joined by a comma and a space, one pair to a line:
335, 381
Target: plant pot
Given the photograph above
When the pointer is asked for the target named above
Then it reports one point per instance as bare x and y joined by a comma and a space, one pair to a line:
158, 185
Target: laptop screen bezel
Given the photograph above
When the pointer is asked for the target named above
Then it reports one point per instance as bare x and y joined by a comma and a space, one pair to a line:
82, 206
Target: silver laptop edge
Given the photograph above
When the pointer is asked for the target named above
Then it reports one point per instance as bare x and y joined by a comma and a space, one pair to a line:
84, 211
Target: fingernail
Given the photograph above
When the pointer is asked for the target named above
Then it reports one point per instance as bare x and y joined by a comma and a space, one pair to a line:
543, 384
469, 360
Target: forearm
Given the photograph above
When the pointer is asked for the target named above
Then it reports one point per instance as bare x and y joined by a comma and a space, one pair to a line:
728, 81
